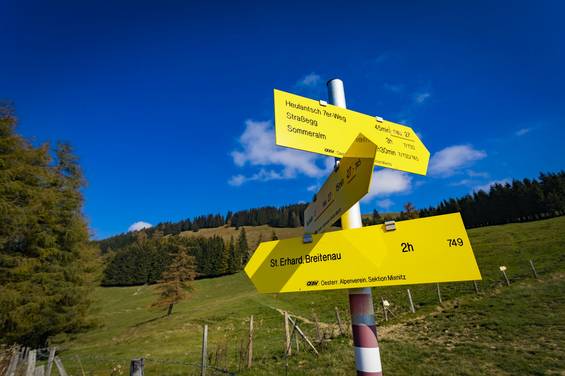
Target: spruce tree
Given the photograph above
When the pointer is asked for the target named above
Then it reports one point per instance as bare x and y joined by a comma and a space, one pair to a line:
232, 263
43, 238
175, 285
259, 241
242, 249
224, 264
376, 217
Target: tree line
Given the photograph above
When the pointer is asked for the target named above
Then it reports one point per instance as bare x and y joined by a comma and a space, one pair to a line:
285, 216
146, 259
518, 201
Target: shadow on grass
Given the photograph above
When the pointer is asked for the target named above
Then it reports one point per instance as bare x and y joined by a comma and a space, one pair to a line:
150, 320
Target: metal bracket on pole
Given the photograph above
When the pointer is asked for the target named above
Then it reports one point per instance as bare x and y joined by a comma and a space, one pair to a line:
379, 119
336, 165
390, 225
323, 103
307, 238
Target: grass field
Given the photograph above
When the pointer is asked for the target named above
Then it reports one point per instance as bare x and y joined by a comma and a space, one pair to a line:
502, 331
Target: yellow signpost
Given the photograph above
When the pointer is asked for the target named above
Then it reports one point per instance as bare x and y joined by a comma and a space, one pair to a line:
426, 250
346, 185
318, 127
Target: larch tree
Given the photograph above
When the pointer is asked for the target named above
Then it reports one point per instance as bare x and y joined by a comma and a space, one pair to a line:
410, 211
175, 284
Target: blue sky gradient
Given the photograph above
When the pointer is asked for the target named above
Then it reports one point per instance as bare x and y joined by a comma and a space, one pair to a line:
157, 96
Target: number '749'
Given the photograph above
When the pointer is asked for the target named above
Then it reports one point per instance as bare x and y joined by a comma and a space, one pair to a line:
455, 242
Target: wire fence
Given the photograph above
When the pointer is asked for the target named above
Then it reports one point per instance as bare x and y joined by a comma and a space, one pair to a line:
228, 352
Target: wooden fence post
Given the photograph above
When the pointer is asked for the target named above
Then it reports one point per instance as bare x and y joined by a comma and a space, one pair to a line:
13, 363
60, 367
384, 309
338, 318
52, 351
318, 331
534, 269
503, 270
136, 367
250, 344
204, 350
287, 346
30, 363
412, 309
303, 335
82, 369
39, 371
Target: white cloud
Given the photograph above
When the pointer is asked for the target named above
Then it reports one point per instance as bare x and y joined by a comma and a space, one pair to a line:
310, 80
475, 177
395, 88
237, 180
486, 187
385, 204
139, 226
257, 148
421, 97
523, 131
312, 188
381, 58
262, 175
387, 182
463, 182
477, 174
446, 162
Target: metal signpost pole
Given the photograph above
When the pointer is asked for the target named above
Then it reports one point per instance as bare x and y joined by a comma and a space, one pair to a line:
367, 356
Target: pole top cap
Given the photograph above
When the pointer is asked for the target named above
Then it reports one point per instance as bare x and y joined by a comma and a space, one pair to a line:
333, 79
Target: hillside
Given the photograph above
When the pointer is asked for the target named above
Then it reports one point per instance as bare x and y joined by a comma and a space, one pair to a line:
504, 330
254, 233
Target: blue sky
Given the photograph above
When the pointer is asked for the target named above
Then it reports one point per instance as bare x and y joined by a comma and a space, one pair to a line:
169, 104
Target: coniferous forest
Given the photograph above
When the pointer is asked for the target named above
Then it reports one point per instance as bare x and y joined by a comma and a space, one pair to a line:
518, 201
144, 260
140, 257
286, 216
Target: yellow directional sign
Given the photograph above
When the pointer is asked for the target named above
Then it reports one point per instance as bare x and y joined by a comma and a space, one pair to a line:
346, 185
426, 250
310, 125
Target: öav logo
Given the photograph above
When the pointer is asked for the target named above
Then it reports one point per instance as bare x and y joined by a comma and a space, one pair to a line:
312, 283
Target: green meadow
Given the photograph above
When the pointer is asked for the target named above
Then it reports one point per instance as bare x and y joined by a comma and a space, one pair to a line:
503, 330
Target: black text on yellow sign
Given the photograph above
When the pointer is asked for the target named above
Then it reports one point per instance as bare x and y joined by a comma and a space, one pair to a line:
346, 185
305, 124
426, 250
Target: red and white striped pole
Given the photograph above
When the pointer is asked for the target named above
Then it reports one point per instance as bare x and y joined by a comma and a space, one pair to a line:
367, 355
